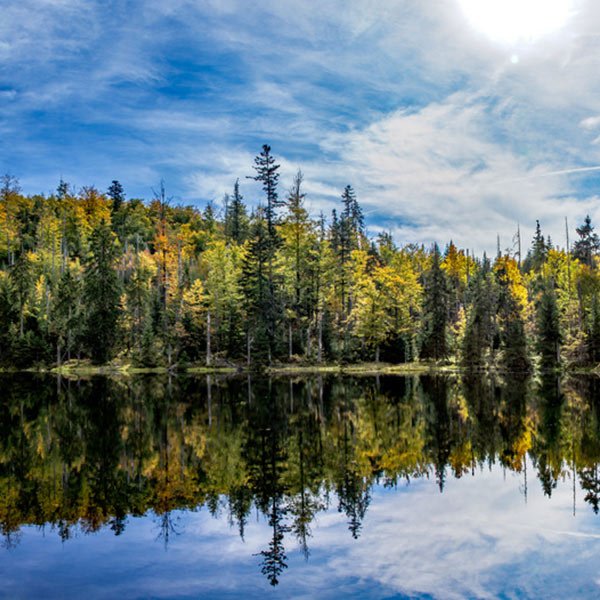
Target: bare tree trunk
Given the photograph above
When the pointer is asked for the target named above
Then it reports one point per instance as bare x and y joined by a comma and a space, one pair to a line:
290, 340
248, 343
208, 338
209, 398
320, 355
308, 341
377, 354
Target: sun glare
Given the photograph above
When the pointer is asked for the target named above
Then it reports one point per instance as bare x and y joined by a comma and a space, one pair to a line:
516, 21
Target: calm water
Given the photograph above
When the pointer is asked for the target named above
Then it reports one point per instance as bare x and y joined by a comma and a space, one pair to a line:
313, 487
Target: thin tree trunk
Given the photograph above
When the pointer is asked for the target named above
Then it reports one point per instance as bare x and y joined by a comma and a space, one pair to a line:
290, 340
208, 338
248, 348
320, 355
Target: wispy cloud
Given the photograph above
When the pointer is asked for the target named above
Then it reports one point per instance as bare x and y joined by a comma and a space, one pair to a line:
443, 132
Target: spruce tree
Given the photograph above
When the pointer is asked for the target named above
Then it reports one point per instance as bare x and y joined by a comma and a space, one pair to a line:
594, 331
21, 278
434, 319
236, 219
588, 243
67, 313
479, 332
102, 290
548, 330
266, 173
115, 192
539, 250
257, 292
513, 341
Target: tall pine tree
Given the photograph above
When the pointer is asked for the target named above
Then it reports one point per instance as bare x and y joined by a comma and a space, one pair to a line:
432, 336
102, 290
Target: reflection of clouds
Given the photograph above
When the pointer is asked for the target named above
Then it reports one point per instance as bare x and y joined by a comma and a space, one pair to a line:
456, 544
479, 539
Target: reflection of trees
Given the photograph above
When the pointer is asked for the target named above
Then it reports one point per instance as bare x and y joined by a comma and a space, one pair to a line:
546, 448
435, 393
87, 454
266, 454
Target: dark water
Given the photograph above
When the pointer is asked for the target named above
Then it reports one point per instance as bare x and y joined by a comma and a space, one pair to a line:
313, 487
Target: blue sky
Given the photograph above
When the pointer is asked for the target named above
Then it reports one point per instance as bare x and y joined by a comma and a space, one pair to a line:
446, 128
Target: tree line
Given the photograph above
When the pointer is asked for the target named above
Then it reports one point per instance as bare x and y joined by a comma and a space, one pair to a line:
91, 275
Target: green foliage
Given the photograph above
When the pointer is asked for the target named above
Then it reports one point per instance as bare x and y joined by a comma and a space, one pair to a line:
88, 275
432, 335
548, 331
102, 292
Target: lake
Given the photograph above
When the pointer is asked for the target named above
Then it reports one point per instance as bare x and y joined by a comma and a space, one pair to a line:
299, 487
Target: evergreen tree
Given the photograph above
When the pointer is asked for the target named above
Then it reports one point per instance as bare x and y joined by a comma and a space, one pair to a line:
536, 257
116, 193
102, 290
236, 219
588, 243
479, 333
353, 224
594, 331
21, 278
67, 313
434, 318
257, 292
513, 341
548, 331
266, 173
62, 190
300, 258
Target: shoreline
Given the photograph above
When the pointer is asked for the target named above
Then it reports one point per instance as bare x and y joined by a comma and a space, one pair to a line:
124, 369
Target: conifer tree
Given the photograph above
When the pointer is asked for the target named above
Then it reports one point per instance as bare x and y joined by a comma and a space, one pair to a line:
479, 331
548, 331
513, 341
117, 195
20, 275
102, 291
300, 257
434, 318
594, 331
539, 250
267, 174
236, 219
255, 284
588, 243
67, 313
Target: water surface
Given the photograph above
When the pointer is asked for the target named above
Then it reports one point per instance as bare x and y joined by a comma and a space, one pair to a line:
388, 487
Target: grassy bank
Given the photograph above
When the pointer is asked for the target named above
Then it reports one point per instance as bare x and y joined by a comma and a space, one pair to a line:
85, 368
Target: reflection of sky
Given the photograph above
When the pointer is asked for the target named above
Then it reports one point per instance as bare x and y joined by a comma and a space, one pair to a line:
479, 539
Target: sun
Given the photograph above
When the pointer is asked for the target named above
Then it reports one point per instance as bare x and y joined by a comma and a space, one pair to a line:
512, 22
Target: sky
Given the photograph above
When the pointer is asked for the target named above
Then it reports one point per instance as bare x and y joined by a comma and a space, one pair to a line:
452, 119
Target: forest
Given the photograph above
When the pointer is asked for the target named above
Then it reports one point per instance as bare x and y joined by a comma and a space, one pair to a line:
95, 276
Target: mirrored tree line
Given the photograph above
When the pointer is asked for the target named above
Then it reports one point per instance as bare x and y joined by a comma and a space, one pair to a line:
81, 455
95, 275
